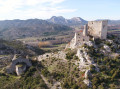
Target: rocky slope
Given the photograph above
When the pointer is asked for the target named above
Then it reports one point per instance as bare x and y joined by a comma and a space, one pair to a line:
92, 65
97, 63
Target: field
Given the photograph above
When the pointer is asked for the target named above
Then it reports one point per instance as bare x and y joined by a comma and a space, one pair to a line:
116, 32
49, 43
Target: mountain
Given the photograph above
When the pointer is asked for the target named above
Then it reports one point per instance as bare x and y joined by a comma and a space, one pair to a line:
114, 22
111, 22
57, 20
76, 21
29, 28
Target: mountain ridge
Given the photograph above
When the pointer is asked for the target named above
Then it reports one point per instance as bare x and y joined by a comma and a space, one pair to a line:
28, 28
75, 21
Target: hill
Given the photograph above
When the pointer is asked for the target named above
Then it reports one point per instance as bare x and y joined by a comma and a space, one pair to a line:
13, 29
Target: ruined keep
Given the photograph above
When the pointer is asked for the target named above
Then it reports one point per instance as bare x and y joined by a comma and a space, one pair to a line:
96, 29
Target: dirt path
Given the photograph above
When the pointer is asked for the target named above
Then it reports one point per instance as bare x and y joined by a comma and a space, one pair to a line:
44, 79
46, 82
56, 85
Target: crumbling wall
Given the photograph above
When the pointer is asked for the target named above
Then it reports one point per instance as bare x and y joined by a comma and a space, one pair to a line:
78, 40
11, 68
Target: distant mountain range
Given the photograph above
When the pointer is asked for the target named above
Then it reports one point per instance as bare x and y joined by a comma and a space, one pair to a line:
13, 29
69, 22
76, 21
114, 22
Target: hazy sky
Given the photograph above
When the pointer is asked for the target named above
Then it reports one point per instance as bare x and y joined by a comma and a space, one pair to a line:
44, 9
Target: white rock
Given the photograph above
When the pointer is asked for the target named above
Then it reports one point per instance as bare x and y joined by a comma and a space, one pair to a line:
107, 48
87, 82
89, 43
87, 74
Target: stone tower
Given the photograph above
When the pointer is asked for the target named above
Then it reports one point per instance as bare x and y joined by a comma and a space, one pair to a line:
98, 29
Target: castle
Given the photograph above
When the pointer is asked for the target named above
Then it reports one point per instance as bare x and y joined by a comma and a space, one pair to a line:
95, 29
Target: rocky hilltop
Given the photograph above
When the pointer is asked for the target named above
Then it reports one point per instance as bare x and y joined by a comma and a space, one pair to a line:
89, 61
95, 60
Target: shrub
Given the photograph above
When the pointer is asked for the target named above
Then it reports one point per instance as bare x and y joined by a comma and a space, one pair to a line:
95, 81
75, 57
75, 86
98, 41
92, 68
45, 72
44, 44
70, 55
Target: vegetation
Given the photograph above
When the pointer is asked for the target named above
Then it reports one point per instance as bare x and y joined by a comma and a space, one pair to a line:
65, 72
17, 47
44, 44
30, 80
109, 72
70, 54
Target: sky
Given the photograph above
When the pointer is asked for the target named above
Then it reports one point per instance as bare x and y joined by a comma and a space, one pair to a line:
44, 9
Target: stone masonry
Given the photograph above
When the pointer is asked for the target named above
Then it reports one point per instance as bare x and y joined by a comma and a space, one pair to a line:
96, 29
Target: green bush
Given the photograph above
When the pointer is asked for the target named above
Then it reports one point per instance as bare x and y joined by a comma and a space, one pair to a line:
45, 72
70, 55
95, 81
92, 68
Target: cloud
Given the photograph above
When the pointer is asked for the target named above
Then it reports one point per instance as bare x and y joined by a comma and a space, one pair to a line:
35, 2
24, 9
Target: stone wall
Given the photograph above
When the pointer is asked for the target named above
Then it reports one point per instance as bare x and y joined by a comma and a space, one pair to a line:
98, 29
78, 40
104, 29
12, 67
59, 55
20, 69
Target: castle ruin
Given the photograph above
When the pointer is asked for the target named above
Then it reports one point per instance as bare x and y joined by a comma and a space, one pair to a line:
96, 29
18, 65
